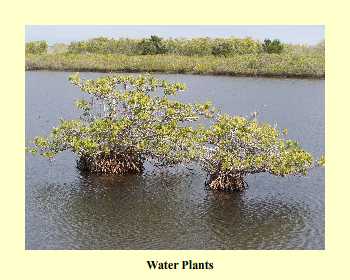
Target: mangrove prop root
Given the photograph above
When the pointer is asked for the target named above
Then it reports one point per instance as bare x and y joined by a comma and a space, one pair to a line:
226, 182
116, 163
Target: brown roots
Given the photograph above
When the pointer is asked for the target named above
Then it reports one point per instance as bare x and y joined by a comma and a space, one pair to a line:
115, 163
226, 182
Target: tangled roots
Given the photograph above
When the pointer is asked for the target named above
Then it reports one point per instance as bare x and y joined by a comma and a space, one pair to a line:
114, 163
226, 182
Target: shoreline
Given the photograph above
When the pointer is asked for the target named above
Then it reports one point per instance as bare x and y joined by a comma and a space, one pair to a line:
183, 73
264, 66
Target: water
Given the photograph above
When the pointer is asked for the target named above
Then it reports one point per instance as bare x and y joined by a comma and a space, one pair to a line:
171, 209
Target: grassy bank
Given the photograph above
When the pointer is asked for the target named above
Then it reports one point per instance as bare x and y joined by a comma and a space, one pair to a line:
293, 65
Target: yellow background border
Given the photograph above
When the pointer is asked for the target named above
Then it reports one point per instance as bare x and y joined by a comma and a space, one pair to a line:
324, 264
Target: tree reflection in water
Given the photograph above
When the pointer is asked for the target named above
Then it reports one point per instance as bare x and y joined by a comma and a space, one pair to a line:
162, 210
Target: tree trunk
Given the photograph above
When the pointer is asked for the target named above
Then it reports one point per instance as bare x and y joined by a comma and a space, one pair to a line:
114, 163
226, 182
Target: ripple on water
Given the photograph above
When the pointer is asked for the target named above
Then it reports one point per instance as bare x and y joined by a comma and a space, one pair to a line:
172, 209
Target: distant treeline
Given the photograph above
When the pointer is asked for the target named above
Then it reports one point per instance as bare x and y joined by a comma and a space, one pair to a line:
157, 45
221, 56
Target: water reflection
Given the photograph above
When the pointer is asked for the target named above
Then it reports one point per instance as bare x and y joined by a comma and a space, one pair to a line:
240, 222
167, 210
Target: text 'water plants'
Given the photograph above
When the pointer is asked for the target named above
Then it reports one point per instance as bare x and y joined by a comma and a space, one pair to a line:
128, 120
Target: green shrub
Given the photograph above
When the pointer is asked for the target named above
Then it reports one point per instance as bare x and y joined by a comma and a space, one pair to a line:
156, 45
146, 46
223, 48
194, 47
189, 47
153, 45
137, 124
104, 45
274, 46
77, 47
134, 125
241, 146
36, 47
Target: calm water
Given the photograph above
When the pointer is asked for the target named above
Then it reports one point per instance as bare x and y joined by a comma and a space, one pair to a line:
172, 209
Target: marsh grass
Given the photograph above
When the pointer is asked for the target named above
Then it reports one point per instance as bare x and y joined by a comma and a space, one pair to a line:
296, 63
215, 56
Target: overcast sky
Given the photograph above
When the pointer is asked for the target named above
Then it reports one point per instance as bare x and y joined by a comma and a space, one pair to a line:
299, 34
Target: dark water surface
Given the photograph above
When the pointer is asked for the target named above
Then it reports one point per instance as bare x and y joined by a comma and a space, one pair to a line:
171, 209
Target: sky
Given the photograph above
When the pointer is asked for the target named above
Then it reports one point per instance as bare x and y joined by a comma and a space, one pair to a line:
296, 34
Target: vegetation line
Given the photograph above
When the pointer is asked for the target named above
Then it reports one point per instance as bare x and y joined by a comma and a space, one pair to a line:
231, 56
264, 65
